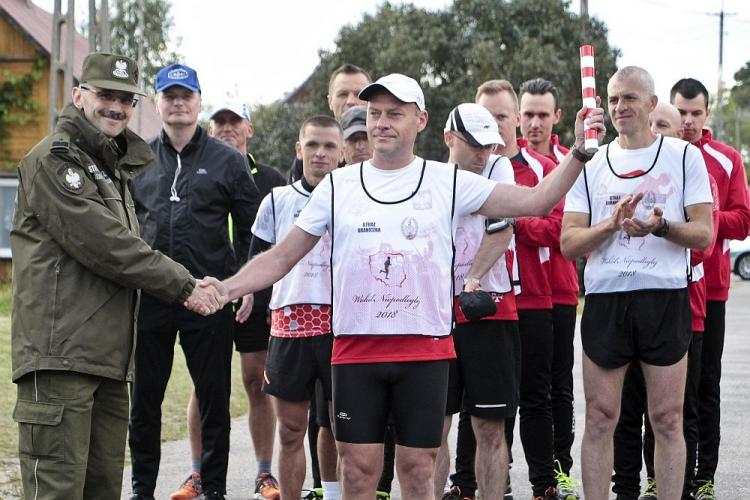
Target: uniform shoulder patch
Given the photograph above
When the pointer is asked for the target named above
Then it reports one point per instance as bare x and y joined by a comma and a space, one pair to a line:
60, 146
72, 180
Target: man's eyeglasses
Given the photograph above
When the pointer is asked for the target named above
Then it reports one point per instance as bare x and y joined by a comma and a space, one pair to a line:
110, 96
488, 147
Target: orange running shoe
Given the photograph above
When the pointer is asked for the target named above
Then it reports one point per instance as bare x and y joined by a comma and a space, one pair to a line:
190, 488
267, 487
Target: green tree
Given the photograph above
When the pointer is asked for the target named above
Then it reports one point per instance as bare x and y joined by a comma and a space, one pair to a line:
126, 37
451, 51
734, 115
741, 91
276, 131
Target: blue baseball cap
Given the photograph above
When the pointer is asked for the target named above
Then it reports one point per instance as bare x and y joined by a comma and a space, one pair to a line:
177, 74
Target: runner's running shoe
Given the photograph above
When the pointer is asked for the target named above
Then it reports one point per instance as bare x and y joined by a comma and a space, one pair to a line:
190, 488
705, 491
650, 493
267, 487
566, 485
550, 493
314, 494
455, 494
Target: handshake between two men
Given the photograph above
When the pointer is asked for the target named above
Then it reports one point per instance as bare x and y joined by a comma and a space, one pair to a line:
211, 295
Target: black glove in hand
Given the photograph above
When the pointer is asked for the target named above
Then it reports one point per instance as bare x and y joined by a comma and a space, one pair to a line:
476, 305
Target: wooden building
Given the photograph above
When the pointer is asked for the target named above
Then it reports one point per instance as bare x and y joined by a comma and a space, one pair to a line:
25, 38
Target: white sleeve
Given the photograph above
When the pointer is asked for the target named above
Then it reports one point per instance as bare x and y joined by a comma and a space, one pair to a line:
315, 218
472, 191
264, 226
697, 187
577, 199
502, 171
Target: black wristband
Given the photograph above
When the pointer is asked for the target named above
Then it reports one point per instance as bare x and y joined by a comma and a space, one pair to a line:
495, 225
580, 155
662, 230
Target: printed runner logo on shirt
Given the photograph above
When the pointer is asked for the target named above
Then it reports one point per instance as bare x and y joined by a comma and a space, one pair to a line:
388, 268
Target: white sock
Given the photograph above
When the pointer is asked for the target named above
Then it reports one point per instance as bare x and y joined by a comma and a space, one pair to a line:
447, 488
331, 490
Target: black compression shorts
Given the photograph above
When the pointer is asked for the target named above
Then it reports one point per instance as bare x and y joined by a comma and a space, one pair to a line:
414, 393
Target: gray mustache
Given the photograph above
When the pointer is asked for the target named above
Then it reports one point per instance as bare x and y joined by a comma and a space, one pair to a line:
113, 115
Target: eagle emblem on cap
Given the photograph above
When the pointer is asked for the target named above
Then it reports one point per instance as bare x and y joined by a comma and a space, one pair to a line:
121, 69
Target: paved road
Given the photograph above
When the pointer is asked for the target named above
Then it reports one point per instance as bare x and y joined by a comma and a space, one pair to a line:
733, 477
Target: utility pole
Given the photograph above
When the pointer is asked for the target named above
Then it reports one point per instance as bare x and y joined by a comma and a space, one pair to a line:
141, 56
583, 13
59, 65
99, 27
720, 89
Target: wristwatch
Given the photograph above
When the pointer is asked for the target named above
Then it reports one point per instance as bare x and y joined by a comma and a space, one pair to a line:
495, 225
662, 230
471, 279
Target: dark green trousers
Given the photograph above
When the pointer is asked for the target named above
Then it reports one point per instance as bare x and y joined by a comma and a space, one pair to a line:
71, 435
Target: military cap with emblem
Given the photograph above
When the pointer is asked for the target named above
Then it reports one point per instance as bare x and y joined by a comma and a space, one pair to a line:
111, 72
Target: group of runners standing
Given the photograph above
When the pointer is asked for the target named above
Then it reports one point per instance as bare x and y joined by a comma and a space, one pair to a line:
406, 290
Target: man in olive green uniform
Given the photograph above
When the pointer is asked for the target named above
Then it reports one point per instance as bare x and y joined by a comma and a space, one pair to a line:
78, 265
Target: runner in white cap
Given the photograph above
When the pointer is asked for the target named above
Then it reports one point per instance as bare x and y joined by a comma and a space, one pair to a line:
392, 255
484, 377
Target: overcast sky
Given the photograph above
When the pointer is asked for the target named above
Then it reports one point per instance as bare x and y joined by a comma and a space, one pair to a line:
259, 50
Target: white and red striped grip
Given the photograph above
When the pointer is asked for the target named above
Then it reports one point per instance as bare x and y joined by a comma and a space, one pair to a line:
588, 91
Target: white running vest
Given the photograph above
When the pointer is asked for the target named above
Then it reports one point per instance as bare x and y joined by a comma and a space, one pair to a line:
469, 233
309, 281
394, 260
623, 263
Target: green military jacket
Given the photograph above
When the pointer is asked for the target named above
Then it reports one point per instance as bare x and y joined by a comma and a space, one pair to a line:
78, 261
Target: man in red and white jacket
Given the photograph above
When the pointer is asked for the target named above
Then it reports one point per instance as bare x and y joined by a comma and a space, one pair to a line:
690, 97
534, 237
540, 111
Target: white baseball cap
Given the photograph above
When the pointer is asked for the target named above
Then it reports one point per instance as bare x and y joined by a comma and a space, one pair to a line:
240, 109
476, 124
402, 87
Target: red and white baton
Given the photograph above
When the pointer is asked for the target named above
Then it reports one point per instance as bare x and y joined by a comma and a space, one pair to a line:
588, 91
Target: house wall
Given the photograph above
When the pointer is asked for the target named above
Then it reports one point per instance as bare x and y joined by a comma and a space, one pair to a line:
17, 56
